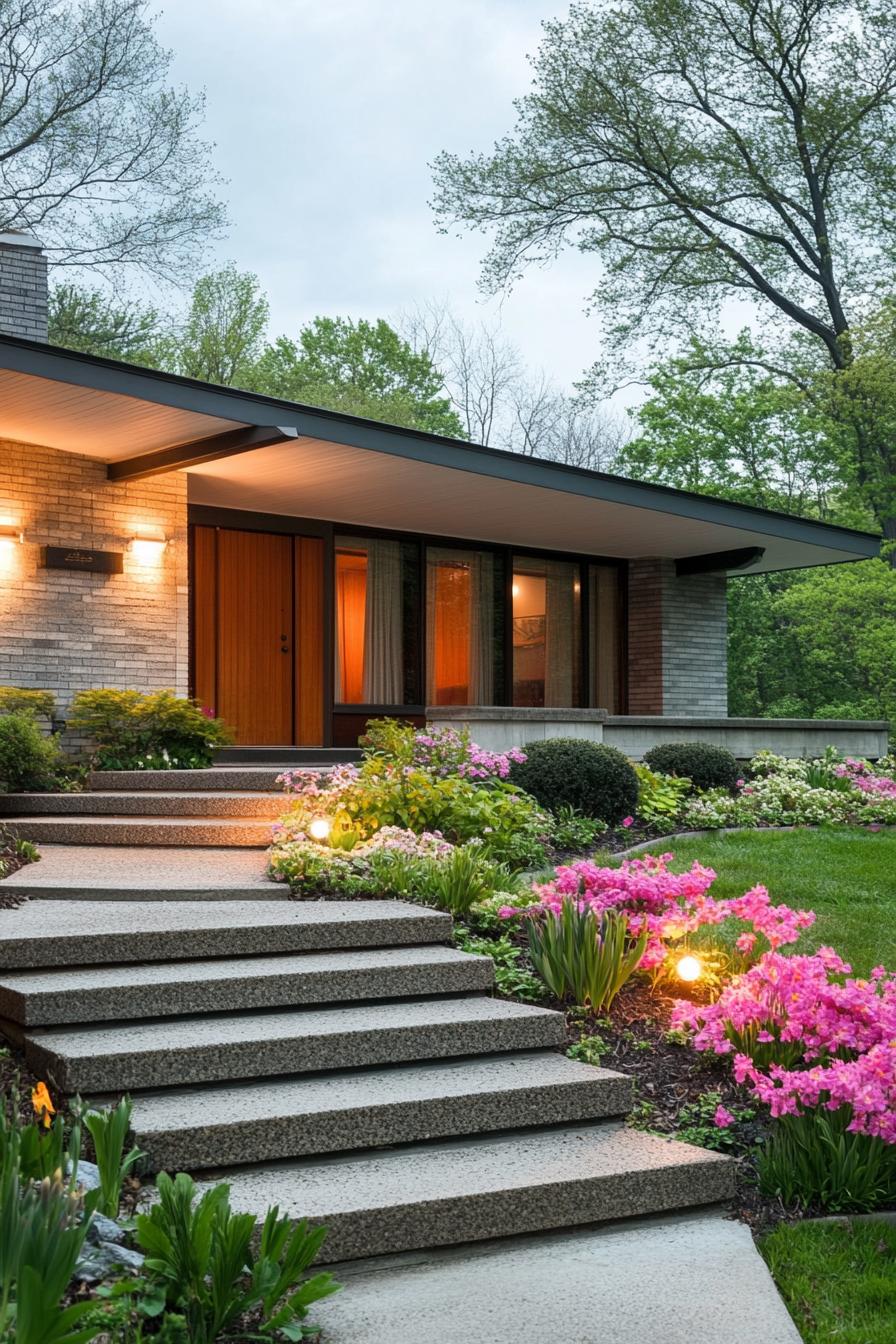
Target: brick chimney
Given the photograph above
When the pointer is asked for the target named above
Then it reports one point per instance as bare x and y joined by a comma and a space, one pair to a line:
23, 286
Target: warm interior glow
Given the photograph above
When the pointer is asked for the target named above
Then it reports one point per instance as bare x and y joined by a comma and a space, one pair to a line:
515, 589
10, 540
319, 828
529, 601
689, 968
351, 603
452, 622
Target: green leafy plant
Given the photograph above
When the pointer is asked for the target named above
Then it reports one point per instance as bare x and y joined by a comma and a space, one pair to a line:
703, 763
200, 1262
21, 700
814, 1160
513, 977
594, 778
660, 797
590, 1049
160, 731
109, 1131
584, 956
30, 762
572, 830
463, 878
697, 1123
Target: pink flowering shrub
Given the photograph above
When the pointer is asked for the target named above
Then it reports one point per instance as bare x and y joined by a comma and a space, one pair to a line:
863, 778
817, 1046
443, 751
668, 905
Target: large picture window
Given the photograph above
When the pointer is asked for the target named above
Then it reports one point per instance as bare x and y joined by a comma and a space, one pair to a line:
376, 601
547, 656
463, 638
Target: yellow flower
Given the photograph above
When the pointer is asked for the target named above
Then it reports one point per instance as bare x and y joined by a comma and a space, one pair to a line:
43, 1106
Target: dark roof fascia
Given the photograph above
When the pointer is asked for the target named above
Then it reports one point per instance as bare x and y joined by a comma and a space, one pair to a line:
250, 408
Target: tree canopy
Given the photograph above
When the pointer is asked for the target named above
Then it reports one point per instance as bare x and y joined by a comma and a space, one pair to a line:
100, 155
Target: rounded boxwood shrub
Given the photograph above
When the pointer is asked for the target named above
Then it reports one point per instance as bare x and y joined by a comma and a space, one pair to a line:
705, 765
29, 762
589, 776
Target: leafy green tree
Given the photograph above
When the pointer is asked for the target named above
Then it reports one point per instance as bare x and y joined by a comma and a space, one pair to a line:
222, 336
97, 323
707, 150
362, 368
100, 155
819, 644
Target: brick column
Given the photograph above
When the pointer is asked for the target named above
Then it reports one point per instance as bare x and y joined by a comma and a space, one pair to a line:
677, 641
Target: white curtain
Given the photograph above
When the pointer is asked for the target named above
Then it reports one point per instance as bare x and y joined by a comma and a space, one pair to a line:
383, 682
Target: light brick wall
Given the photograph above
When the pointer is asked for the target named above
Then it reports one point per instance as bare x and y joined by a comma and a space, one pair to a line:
677, 641
67, 630
23, 287
695, 643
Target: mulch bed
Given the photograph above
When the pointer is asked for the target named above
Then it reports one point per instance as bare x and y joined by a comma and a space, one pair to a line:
10, 862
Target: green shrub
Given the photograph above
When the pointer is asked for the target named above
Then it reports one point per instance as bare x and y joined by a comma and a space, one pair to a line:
593, 778
201, 1262
814, 1160
704, 764
160, 731
660, 797
513, 978
574, 831
582, 956
30, 762
18, 700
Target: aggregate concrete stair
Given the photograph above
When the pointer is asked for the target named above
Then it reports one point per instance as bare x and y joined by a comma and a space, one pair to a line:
339, 1059
115, 993
121, 1056
367, 1108
468, 1189
145, 803
142, 830
78, 933
145, 873
229, 778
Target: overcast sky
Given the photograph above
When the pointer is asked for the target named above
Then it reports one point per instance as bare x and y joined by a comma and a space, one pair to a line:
325, 114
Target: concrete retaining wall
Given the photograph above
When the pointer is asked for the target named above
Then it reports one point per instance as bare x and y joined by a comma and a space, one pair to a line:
497, 729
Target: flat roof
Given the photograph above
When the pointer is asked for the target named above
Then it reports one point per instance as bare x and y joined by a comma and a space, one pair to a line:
245, 451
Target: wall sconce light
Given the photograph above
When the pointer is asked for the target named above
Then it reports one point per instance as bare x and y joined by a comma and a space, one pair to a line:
147, 545
11, 535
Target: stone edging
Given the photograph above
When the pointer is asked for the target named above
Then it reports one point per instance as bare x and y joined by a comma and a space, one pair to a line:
722, 830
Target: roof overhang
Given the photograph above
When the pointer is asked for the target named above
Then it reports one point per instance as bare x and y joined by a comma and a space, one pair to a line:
243, 451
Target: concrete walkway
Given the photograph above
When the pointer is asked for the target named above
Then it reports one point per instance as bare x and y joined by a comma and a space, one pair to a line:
145, 873
680, 1279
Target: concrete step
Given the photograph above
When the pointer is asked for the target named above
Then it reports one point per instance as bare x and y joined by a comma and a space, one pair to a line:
469, 1189
145, 873
184, 1130
107, 993
79, 933
160, 831
268, 806
289, 758
172, 1052
230, 778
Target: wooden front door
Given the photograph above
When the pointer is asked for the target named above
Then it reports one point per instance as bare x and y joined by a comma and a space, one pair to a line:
258, 633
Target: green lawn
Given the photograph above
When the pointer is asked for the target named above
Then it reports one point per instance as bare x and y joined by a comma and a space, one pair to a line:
848, 877
838, 1280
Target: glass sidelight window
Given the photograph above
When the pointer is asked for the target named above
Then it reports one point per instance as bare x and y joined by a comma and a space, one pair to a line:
547, 656
463, 634
376, 594
604, 637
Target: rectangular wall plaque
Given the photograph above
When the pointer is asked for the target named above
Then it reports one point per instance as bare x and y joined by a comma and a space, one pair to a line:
80, 557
